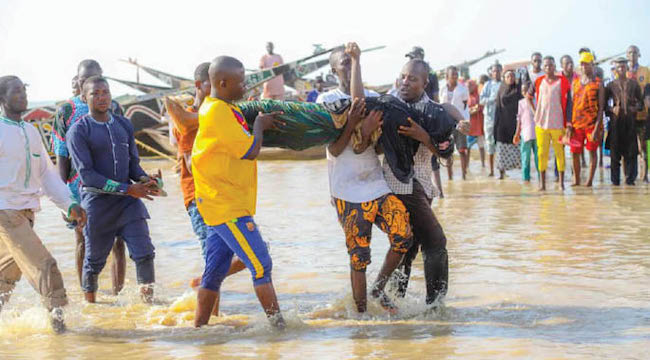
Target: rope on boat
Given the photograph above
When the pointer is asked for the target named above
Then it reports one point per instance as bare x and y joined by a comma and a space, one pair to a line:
153, 150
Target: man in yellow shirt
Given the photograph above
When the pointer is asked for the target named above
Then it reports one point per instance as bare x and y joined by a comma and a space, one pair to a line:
225, 178
642, 75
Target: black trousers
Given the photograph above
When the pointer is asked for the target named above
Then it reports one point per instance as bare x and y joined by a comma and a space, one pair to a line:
429, 236
623, 144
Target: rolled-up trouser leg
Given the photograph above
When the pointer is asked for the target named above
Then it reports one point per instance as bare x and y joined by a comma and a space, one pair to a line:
141, 250
21, 251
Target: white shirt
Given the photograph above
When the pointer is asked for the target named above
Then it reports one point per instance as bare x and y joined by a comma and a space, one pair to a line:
533, 75
459, 97
26, 170
354, 178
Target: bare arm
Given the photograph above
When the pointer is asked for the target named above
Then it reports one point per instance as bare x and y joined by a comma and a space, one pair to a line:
63, 165
262, 122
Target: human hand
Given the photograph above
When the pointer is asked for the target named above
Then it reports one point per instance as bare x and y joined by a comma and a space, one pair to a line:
595, 135
353, 50
357, 110
414, 131
371, 123
515, 140
443, 145
142, 190
269, 120
463, 126
79, 215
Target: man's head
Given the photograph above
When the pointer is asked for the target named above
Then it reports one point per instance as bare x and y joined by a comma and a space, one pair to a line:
567, 64
633, 54
202, 81
269, 48
415, 53
413, 79
341, 65
483, 79
583, 50
495, 71
621, 67
96, 93
452, 75
549, 66
319, 83
86, 69
536, 60
587, 64
227, 78
13, 95
76, 90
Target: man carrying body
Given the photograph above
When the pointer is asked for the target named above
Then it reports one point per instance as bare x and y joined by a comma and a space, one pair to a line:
103, 151
186, 126
551, 114
418, 193
586, 125
642, 75
274, 88
358, 188
225, 179
67, 115
27, 173
456, 94
488, 100
627, 101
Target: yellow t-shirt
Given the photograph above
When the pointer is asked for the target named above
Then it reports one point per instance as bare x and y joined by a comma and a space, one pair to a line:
642, 76
226, 184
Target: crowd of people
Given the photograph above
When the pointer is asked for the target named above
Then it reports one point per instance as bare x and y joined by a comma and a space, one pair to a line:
513, 114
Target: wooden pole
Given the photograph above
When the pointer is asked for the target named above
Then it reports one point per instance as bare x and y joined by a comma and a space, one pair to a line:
157, 152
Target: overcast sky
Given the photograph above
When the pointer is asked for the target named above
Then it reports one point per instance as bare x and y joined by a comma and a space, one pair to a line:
43, 41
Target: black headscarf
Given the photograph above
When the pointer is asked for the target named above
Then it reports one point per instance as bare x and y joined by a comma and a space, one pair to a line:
507, 104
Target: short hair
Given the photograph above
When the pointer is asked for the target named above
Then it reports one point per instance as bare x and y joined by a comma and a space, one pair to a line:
88, 64
483, 78
635, 48
94, 80
583, 49
423, 64
549, 57
201, 72
222, 64
536, 53
452, 68
334, 55
4, 84
566, 57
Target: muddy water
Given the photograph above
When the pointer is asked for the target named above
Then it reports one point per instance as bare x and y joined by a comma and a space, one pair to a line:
559, 275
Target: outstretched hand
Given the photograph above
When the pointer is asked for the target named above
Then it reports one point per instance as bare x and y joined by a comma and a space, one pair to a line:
463, 126
371, 123
269, 120
414, 131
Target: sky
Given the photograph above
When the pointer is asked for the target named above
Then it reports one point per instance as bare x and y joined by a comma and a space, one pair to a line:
43, 41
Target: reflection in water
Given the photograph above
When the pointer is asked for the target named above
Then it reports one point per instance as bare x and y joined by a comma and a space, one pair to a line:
532, 275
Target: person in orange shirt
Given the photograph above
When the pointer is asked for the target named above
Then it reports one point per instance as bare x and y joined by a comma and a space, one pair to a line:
586, 126
225, 179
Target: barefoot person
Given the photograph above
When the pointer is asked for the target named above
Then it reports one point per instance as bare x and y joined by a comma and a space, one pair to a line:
103, 151
456, 94
586, 125
186, 125
225, 179
525, 133
551, 114
505, 124
67, 115
27, 172
358, 188
489, 101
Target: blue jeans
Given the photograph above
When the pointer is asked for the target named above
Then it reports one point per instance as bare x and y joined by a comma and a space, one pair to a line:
526, 147
198, 225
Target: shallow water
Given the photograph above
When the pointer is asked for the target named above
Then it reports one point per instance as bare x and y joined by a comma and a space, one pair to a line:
555, 275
